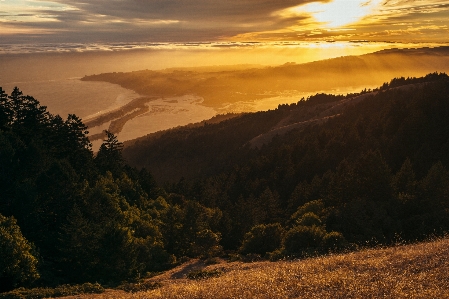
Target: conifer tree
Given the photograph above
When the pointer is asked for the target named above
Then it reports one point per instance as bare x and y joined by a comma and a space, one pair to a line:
109, 156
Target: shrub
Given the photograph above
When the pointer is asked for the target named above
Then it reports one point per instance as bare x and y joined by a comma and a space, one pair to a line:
207, 243
309, 219
17, 263
204, 274
251, 258
276, 255
315, 206
303, 239
334, 242
140, 286
212, 261
60, 291
262, 239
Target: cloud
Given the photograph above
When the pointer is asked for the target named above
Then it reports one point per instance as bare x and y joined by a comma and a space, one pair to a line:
152, 20
394, 20
209, 20
181, 9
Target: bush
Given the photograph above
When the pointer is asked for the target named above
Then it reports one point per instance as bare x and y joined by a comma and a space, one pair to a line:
277, 255
303, 239
207, 244
140, 286
18, 266
212, 261
262, 239
60, 291
334, 242
315, 207
204, 274
251, 258
309, 219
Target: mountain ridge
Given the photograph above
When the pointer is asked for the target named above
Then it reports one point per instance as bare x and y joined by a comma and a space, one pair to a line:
249, 88
254, 133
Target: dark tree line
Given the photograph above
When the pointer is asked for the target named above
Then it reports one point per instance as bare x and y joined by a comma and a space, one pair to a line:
68, 215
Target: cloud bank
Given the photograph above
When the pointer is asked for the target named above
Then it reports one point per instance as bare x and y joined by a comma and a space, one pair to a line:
212, 20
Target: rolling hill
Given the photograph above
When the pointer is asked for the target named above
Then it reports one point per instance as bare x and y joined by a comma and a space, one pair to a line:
254, 88
406, 271
210, 148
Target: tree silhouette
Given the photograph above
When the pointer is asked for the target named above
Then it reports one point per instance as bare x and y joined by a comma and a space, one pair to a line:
109, 156
5, 109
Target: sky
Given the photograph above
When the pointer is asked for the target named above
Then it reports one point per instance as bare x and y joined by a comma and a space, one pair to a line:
116, 21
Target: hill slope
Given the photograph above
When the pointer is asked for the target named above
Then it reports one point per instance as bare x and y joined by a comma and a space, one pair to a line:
412, 271
213, 148
378, 166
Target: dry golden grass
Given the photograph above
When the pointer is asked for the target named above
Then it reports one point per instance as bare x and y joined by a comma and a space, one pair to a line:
412, 271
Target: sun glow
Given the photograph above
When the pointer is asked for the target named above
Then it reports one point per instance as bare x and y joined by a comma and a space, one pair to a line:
339, 13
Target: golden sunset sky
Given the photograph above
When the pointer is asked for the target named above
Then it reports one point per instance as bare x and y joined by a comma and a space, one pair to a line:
77, 21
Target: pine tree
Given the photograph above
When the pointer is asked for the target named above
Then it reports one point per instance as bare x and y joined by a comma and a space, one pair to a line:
109, 156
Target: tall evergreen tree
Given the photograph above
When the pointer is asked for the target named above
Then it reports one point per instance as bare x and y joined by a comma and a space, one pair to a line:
109, 156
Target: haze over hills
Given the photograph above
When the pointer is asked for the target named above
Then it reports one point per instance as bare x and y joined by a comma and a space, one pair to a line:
252, 88
196, 152
222, 87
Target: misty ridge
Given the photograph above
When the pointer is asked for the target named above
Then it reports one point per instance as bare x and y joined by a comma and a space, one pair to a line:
246, 88
327, 174
220, 86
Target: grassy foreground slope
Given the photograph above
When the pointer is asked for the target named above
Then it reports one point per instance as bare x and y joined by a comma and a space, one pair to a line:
406, 271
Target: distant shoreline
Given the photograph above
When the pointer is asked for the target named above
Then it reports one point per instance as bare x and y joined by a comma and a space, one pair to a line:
77, 48
47, 63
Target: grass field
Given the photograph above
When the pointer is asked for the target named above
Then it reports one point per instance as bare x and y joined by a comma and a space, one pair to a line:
406, 271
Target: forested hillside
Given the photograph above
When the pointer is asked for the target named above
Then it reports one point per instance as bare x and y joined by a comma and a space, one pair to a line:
375, 170
340, 120
331, 173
